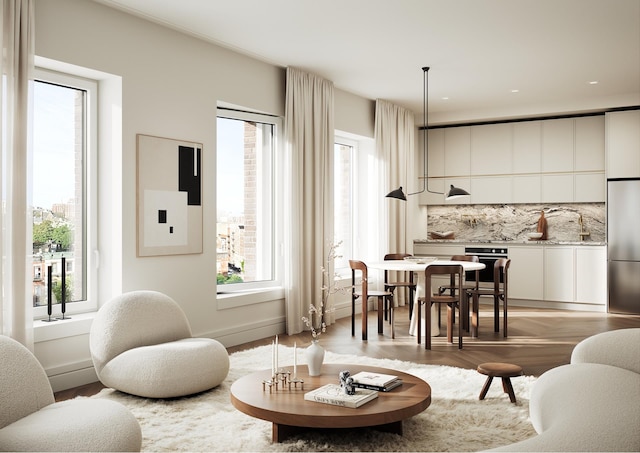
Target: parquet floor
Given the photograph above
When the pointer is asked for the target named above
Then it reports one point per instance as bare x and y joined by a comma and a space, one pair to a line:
538, 341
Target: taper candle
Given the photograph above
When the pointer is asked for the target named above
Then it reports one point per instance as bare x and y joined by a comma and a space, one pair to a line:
273, 359
49, 284
63, 294
277, 364
295, 360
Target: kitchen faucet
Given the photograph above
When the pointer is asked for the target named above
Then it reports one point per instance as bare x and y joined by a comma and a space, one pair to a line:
582, 232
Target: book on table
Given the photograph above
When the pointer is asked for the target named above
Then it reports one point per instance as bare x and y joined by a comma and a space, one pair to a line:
376, 381
335, 395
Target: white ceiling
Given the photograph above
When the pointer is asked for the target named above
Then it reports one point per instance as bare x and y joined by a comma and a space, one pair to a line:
478, 50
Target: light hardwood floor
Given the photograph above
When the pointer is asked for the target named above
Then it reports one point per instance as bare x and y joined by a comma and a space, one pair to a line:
538, 341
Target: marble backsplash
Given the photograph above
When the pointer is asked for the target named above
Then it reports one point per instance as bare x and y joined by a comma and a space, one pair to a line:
512, 222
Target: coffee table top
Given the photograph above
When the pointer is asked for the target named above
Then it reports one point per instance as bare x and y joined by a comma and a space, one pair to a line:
288, 407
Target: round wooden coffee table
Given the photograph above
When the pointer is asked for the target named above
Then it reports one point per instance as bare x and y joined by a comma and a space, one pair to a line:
288, 411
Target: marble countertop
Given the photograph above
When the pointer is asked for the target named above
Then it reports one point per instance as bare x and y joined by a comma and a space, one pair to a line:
514, 242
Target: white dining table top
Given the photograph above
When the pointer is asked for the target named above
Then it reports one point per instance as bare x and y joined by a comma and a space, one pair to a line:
405, 265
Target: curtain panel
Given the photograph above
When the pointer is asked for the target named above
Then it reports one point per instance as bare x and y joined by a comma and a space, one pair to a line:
394, 135
309, 131
16, 67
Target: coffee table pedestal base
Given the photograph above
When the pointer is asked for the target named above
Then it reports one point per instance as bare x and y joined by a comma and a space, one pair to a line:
280, 433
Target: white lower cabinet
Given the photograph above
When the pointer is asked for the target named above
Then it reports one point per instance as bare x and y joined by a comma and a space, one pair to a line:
526, 278
591, 275
559, 274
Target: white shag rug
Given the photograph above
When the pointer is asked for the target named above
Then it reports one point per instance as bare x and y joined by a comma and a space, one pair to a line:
456, 420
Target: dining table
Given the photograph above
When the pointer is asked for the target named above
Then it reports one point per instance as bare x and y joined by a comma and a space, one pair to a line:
418, 265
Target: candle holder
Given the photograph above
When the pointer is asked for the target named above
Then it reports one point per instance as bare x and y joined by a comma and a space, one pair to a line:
63, 292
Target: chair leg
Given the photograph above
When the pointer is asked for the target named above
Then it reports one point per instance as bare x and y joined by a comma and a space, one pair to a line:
475, 316
353, 316
419, 314
504, 320
364, 319
427, 325
486, 386
508, 389
496, 314
410, 302
391, 319
381, 301
450, 311
460, 328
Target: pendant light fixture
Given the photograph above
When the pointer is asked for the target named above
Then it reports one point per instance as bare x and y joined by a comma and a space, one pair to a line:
454, 192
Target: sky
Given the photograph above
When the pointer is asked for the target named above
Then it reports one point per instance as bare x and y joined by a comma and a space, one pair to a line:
53, 146
230, 165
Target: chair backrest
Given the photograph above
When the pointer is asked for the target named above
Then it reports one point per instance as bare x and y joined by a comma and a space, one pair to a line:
24, 386
134, 319
500, 272
470, 258
398, 256
456, 271
359, 266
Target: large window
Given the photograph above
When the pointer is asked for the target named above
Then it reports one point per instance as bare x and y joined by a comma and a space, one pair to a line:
62, 184
343, 194
246, 188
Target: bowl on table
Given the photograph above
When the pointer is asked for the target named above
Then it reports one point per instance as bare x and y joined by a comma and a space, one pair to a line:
420, 259
534, 235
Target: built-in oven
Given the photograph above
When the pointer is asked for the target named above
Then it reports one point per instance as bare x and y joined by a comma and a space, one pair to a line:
487, 256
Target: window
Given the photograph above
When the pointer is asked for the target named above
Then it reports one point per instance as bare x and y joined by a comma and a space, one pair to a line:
343, 196
246, 190
62, 190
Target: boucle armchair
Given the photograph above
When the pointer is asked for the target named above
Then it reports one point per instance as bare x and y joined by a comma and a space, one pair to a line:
141, 343
31, 420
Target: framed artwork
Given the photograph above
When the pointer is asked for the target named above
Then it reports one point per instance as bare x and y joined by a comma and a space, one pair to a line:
169, 196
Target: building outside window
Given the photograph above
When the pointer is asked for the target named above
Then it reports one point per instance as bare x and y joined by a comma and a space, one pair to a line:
246, 188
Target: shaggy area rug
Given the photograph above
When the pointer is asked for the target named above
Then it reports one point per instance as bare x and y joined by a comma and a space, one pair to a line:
455, 421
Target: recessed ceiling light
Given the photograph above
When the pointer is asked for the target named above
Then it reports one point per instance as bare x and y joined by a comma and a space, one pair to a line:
515, 91
445, 98
593, 82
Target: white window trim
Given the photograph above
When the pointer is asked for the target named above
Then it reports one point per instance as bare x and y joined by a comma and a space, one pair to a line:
234, 295
91, 189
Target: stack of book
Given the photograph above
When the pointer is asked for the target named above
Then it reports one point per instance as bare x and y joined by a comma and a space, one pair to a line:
334, 394
376, 381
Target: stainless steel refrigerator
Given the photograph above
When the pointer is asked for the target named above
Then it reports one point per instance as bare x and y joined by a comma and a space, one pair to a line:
623, 245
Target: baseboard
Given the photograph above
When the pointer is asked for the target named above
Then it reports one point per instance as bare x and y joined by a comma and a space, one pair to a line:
73, 379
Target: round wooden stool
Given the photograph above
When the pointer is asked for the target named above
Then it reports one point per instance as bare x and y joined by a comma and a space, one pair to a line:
502, 370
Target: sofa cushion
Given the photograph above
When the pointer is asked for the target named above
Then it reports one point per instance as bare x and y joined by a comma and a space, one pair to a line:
619, 348
74, 425
168, 370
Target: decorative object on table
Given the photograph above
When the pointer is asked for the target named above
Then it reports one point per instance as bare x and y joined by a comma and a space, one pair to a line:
169, 196
282, 375
376, 381
316, 322
534, 236
454, 192
346, 382
335, 395
542, 227
442, 235
49, 294
63, 288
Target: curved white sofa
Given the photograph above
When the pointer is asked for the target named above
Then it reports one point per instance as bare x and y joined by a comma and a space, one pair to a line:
141, 343
31, 420
592, 404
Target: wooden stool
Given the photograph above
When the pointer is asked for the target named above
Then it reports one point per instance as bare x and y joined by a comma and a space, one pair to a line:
502, 370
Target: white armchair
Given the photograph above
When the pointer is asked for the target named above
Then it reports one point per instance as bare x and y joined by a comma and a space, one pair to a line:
141, 343
31, 420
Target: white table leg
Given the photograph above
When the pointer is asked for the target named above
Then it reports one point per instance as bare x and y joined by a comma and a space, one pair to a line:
413, 327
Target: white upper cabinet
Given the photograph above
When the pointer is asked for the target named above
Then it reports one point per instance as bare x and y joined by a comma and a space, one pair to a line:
557, 145
527, 147
435, 151
491, 149
589, 148
623, 144
457, 151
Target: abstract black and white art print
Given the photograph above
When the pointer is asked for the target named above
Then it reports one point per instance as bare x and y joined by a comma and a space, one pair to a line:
169, 196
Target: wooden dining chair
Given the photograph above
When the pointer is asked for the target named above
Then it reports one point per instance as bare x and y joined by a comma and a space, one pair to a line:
498, 292
364, 293
467, 286
452, 300
405, 281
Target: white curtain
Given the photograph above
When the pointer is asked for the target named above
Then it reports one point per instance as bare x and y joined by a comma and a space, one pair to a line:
16, 67
394, 134
309, 150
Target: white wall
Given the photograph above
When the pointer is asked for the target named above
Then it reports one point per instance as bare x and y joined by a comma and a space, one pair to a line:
170, 85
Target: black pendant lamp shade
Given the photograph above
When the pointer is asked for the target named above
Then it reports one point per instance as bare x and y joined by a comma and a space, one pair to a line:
454, 191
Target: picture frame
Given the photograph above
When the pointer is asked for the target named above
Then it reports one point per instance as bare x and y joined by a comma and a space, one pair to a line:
169, 196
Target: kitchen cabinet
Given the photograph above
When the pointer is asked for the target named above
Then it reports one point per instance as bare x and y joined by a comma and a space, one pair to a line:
559, 274
527, 147
444, 251
487, 190
591, 275
557, 145
526, 276
491, 147
557, 188
590, 187
623, 144
526, 188
457, 151
589, 146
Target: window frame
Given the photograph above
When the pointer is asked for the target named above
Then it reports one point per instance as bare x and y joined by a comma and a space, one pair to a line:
90, 185
249, 289
344, 272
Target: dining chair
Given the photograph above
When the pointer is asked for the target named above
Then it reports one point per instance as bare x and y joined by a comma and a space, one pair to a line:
453, 300
405, 280
364, 293
498, 292
451, 287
